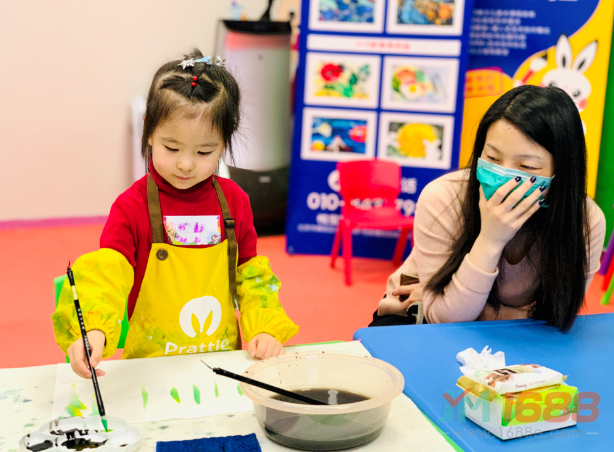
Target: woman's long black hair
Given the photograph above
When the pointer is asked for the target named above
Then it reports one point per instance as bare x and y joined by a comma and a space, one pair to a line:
550, 118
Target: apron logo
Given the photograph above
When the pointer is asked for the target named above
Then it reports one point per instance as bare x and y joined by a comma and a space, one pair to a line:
201, 308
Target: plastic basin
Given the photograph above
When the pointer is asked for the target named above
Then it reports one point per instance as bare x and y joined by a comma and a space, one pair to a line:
324, 427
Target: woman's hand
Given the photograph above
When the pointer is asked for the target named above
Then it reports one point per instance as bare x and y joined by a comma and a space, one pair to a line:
78, 358
413, 291
501, 218
263, 346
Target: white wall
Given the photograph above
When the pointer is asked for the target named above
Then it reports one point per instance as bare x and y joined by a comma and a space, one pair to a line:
68, 69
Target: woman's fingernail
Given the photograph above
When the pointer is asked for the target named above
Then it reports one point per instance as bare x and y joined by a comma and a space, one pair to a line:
518, 178
533, 179
542, 188
541, 202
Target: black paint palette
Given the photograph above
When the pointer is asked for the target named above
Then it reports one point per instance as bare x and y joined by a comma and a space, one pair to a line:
82, 434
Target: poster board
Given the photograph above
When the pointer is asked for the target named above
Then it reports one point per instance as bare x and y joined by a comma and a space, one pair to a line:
376, 79
540, 42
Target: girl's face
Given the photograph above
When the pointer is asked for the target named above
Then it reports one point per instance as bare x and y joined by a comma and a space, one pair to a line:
185, 151
508, 147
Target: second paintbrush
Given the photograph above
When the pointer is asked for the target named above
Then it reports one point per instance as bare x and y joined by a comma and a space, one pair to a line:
259, 384
88, 350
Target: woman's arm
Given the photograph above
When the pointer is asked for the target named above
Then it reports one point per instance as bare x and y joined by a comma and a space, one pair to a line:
437, 226
597, 226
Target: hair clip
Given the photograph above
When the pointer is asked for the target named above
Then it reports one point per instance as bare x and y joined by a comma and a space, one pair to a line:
209, 61
206, 60
186, 63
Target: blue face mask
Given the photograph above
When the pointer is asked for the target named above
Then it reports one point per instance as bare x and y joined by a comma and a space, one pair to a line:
493, 176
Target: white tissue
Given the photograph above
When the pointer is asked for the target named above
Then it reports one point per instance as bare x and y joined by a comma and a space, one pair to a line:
471, 360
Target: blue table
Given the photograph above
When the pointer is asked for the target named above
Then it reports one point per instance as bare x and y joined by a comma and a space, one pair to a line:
426, 355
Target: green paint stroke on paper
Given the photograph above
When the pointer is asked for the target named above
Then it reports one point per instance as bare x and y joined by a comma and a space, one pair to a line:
75, 405
239, 389
175, 395
196, 394
217, 392
145, 395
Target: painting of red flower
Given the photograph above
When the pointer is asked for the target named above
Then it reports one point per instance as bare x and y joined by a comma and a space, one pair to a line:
331, 72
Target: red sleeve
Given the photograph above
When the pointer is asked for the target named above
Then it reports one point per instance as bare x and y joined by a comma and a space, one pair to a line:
120, 231
246, 233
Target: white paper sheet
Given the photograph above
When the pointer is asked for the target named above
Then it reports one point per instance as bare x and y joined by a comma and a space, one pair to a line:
155, 389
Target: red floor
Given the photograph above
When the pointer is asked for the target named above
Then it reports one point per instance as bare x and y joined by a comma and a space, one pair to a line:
312, 293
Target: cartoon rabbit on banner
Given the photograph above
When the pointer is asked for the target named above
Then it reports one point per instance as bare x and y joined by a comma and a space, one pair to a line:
569, 73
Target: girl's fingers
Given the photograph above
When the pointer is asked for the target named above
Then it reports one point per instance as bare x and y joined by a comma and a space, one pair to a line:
262, 349
76, 355
251, 347
504, 190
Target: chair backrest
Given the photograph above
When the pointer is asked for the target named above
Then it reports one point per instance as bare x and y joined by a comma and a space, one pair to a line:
369, 179
59, 282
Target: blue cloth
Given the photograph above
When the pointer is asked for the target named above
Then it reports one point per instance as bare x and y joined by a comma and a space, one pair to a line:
247, 443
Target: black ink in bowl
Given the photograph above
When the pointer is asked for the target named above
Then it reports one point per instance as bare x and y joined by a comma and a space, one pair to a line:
364, 389
322, 431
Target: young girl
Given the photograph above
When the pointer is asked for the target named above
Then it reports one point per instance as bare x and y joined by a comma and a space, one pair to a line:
512, 236
173, 289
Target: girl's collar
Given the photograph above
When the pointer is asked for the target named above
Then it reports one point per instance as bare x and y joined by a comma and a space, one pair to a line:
166, 187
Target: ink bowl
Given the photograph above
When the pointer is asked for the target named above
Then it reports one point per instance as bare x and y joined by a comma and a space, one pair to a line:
82, 433
327, 376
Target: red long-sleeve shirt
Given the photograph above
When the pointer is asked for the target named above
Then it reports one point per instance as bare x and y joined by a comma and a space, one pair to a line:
128, 230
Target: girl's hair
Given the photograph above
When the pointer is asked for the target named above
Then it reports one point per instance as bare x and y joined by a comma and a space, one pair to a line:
550, 118
215, 96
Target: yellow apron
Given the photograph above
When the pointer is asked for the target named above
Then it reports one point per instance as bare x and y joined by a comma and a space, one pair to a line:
188, 296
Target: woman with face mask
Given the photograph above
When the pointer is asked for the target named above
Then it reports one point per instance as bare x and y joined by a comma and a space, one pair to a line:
512, 236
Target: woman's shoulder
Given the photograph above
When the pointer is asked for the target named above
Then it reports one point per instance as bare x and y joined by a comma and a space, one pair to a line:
596, 218
445, 189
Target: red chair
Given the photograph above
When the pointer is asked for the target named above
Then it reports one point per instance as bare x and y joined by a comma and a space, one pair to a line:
369, 179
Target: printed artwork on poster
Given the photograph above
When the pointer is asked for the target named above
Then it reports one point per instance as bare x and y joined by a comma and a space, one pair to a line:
420, 84
423, 141
425, 17
365, 16
338, 135
336, 79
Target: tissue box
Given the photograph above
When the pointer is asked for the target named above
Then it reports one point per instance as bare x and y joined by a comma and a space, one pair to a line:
525, 413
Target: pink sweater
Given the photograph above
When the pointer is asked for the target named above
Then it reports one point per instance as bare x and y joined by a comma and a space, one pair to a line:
437, 222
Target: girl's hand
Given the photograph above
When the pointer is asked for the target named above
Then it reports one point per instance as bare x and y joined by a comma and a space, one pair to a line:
502, 217
263, 346
414, 292
78, 358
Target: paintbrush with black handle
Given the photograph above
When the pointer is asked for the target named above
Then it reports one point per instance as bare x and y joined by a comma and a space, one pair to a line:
275, 389
88, 351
